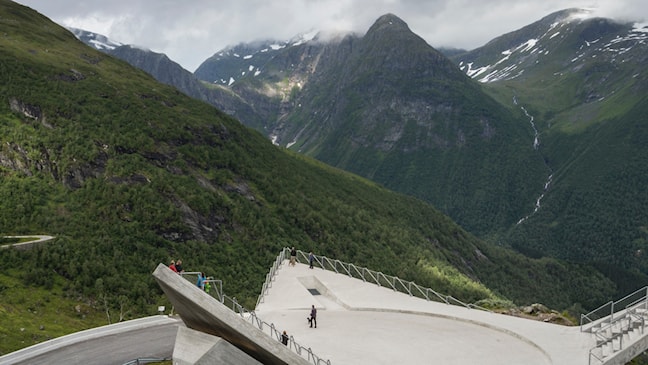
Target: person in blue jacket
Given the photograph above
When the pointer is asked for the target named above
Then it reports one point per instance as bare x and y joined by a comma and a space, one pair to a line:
201, 281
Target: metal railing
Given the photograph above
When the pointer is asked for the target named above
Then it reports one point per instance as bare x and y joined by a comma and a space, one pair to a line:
267, 284
250, 316
305, 352
612, 321
614, 332
624, 308
366, 275
606, 313
146, 360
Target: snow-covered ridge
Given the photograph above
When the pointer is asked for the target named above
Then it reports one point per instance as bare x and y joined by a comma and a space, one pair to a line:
255, 53
98, 41
640, 27
266, 46
515, 59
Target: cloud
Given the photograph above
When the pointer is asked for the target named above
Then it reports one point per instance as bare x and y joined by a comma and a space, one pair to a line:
190, 32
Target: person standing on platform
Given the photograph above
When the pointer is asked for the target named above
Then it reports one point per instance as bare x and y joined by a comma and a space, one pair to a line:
293, 256
313, 317
284, 338
201, 281
178, 266
311, 258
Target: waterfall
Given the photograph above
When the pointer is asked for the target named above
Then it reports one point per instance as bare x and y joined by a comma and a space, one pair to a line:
536, 144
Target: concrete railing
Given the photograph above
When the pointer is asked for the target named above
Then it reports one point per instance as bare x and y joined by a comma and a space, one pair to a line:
366, 275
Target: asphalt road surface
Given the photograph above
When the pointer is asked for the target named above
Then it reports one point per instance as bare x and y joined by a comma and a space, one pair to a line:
28, 244
108, 345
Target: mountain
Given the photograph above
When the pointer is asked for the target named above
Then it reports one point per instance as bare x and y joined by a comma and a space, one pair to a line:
234, 62
555, 91
389, 107
169, 72
528, 172
127, 172
565, 42
581, 81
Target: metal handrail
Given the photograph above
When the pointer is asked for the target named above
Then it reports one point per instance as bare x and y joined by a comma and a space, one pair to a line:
603, 311
625, 324
591, 354
366, 275
146, 360
273, 331
267, 284
262, 325
608, 339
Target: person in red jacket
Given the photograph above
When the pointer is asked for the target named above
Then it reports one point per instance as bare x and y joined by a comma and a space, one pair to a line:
178, 267
172, 266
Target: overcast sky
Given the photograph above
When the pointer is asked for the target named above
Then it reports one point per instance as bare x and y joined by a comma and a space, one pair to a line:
191, 31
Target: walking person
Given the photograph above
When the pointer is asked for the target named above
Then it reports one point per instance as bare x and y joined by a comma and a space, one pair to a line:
284, 338
293, 256
311, 258
313, 317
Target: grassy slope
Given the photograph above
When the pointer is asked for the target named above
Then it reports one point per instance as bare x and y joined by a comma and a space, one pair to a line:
32, 314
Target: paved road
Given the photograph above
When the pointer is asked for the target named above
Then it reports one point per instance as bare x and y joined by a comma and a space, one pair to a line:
23, 245
108, 345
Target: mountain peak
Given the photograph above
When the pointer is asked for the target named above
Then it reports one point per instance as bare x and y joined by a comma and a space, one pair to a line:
388, 21
389, 31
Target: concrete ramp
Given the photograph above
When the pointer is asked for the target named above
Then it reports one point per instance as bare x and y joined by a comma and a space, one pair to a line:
201, 312
197, 348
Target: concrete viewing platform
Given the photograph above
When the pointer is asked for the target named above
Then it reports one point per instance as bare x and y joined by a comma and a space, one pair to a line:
358, 323
362, 323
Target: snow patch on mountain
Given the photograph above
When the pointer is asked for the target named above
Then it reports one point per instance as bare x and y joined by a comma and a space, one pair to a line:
492, 73
518, 57
640, 27
98, 41
259, 51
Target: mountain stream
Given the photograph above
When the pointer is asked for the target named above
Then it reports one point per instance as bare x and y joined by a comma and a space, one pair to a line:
536, 144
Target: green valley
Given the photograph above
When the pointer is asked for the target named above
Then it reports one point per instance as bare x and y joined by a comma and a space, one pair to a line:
126, 173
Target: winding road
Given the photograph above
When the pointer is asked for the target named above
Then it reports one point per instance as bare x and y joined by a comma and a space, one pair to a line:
149, 337
28, 244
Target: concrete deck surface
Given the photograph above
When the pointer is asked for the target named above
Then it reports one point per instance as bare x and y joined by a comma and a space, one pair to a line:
361, 323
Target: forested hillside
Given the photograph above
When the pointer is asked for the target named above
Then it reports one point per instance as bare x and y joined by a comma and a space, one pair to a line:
557, 133
127, 173
582, 81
